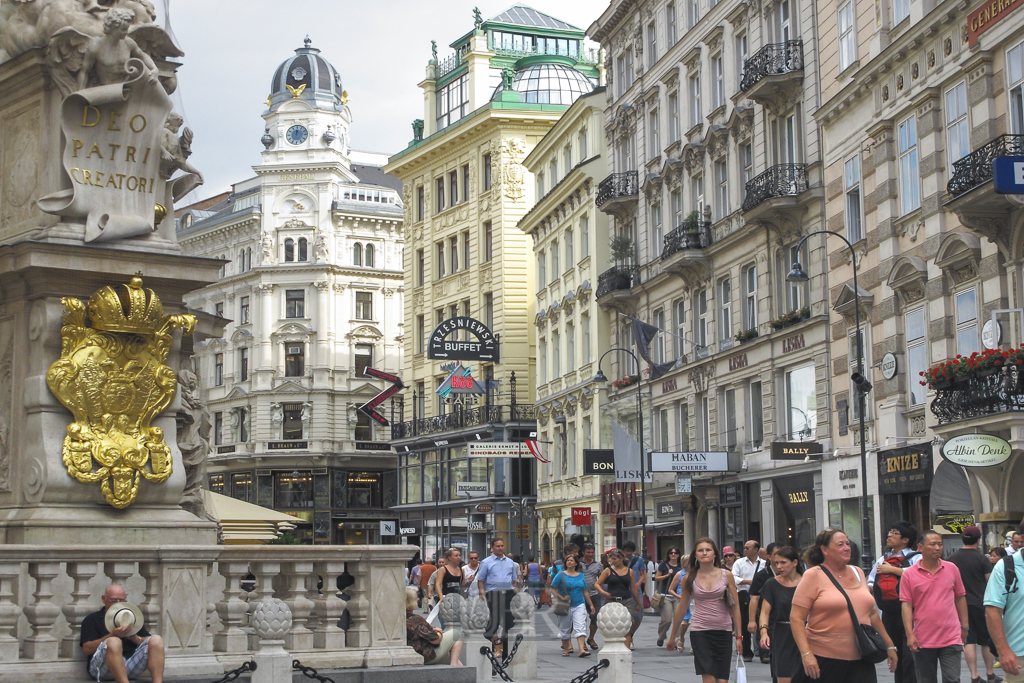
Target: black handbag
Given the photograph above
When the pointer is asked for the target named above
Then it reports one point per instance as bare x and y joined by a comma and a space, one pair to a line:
869, 641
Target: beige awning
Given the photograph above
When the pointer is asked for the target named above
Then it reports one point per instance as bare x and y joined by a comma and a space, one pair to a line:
242, 522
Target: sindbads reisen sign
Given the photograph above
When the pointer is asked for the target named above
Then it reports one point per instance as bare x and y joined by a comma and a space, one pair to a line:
976, 450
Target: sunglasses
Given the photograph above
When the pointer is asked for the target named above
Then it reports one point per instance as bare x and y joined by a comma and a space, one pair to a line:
730, 555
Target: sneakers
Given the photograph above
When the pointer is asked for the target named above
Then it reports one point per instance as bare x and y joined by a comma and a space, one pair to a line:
661, 642
992, 678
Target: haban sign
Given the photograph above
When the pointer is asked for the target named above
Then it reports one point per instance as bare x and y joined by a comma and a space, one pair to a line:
986, 16
441, 347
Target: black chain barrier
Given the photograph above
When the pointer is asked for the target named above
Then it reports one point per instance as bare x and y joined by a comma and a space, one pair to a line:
590, 675
512, 651
310, 672
496, 666
235, 673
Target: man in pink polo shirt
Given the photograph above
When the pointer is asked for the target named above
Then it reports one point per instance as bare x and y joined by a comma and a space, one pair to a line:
934, 612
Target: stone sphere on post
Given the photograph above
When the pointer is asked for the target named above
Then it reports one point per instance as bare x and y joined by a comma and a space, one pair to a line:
451, 609
272, 619
614, 621
523, 606
475, 615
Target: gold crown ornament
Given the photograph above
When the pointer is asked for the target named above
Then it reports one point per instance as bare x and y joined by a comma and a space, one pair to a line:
112, 377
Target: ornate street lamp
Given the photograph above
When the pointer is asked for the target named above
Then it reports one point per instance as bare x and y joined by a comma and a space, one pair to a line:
861, 386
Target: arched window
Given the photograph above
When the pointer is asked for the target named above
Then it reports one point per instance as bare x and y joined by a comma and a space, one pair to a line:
369, 256
248, 258
241, 261
302, 248
289, 249
357, 254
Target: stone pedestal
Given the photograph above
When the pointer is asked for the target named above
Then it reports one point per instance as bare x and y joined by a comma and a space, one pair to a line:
475, 617
614, 621
272, 620
524, 665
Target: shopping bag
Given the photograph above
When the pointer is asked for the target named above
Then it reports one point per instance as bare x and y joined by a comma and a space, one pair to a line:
741, 670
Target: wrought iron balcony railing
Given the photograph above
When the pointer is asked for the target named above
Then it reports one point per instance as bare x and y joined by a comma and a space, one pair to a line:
772, 60
976, 168
617, 185
580, 55
615, 279
1000, 390
477, 416
784, 180
695, 234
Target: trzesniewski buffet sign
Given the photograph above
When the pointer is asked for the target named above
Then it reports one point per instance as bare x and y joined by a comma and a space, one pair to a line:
445, 344
976, 450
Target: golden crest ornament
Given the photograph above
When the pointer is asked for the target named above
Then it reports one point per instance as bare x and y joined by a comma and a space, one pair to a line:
111, 375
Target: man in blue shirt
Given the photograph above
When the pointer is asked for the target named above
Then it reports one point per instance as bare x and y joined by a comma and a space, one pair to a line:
1004, 613
496, 581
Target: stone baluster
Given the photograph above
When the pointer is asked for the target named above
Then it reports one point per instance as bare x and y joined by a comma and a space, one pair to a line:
10, 612
614, 621
524, 665
231, 609
42, 613
211, 613
265, 573
313, 622
358, 633
80, 606
119, 573
152, 572
329, 607
297, 576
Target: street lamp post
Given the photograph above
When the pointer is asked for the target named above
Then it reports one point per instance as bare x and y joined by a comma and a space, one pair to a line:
600, 377
861, 385
312, 481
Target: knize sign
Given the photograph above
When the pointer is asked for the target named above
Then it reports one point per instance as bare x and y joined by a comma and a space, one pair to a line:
703, 461
444, 346
370, 407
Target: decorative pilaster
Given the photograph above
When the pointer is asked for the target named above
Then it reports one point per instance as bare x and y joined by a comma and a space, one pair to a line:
81, 574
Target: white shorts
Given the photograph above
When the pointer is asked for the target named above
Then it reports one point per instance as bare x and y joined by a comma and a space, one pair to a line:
134, 666
574, 623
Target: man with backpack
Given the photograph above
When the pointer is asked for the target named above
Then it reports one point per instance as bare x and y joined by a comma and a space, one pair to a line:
885, 585
1004, 612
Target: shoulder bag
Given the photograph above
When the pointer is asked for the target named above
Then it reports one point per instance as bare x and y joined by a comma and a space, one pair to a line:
727, 598
561, 606
869, 641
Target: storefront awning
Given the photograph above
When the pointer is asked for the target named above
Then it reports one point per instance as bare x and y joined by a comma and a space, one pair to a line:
245, 523
951, 492
654, 526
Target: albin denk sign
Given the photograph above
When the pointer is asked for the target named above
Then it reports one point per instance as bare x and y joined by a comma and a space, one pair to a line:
976, 450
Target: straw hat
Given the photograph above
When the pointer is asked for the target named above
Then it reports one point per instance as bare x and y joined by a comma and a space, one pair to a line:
122, 614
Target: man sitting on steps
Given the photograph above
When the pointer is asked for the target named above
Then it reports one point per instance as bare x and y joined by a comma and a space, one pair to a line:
116, 655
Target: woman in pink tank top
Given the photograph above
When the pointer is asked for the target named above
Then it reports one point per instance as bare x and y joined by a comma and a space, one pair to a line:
714, 622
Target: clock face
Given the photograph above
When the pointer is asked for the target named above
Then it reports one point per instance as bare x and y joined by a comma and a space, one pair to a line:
296, 135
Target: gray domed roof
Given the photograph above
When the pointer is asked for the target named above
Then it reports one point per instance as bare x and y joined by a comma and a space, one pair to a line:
546, 83
307, 68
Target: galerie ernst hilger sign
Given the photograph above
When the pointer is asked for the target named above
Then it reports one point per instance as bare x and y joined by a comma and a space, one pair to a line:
703, 461
441, 347
976, 450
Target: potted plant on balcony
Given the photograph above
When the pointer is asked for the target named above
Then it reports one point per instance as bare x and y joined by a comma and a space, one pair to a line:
627, 381
791, 318
622, 252
692, 218
947, 374
746, 335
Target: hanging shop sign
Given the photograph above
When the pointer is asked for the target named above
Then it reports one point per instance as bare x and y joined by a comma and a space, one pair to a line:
484, 349
472, 489
703, 461
484, 508
907, 469
581, 516
598, 461
889, 366
955, 523
370, 407
796, 450
668, 508
976, 450
797, 495
459, 388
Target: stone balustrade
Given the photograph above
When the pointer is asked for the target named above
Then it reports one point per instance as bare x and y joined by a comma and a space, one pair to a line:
200, 600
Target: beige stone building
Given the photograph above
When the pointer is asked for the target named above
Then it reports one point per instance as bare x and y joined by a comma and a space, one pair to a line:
570, 246
918, 99
485, 108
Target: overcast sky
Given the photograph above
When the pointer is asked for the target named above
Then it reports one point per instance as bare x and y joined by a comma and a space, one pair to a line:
232, 48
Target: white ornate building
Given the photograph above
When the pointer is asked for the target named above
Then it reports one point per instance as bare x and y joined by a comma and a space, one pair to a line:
312, 284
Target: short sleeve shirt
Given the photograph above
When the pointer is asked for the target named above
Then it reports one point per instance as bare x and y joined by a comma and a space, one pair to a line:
1012, 604
829, 627
591, 572
575, 586
497, 573
94, 628
973, 566
936, 623
666, 568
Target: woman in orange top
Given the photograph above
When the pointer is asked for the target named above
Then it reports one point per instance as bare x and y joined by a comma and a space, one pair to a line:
822, 627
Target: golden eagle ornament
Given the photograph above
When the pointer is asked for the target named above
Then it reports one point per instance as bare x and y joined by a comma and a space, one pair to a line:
111, 376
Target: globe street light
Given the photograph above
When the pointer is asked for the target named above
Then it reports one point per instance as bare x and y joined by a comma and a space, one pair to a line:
861, 387
600, 378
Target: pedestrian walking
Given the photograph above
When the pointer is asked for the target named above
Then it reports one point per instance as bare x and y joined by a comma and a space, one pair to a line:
426, 574
571, 586
820, 617
448, 579
1004, 613
469, 574
591, 570
776, 602
997, 554
676, 588
533, 580
496, 584
663, 577
743, 571
1016, 542
715, 623
760, 578
974, 572
639, 568
617, 584
884, 580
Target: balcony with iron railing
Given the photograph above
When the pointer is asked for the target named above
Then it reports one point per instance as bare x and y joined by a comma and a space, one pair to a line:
618, 192
463, 418
691, 234
975, 169
774, 72
988, 393
616, 279
780, 181
579, 55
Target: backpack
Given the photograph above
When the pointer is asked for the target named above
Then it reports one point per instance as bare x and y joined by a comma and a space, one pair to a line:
887, 586
1010, 573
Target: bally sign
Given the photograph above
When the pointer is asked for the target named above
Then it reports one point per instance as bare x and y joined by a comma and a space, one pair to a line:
714, 461
976, 450
581, 517
789, 450
598, 461
485, 348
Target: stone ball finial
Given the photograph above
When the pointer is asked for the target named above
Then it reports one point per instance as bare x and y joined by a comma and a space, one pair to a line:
272, 619
614, 620
451, 609
475, 615
523, 606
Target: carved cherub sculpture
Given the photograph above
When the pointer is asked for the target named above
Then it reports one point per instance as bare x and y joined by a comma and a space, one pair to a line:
176, 150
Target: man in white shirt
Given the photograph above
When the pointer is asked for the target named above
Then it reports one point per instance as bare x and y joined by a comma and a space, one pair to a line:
743, 571
469, 573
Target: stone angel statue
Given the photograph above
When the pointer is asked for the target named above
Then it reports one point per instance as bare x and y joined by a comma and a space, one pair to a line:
176, 149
